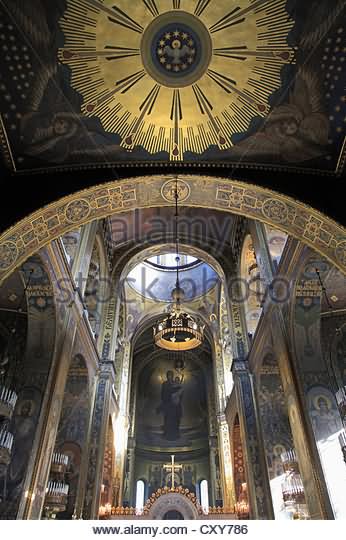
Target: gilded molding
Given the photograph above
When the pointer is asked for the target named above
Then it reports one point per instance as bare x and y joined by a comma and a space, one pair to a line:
296, 219
5, 148
340, 167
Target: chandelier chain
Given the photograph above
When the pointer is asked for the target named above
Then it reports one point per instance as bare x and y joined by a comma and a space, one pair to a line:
176, 196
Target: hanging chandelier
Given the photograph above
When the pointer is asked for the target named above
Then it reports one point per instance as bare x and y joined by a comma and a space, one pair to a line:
8, 396
57, 490
293, 493
178, 331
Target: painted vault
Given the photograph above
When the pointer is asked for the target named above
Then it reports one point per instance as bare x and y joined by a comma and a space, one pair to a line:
248, 83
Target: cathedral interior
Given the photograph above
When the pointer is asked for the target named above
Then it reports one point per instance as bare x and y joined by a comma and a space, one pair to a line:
173, 260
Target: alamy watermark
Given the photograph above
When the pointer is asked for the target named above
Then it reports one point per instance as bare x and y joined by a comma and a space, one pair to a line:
207, 237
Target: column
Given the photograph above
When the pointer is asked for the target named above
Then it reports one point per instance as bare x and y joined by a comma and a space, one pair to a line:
131, 445
263, 256
222, 429
121, 360
308, 458
226, 464
82, 259
34, 493
240, 342
213, 438
213, 449
123, 416
131, 458
97, 443
85, 458
256, 467
109, 330
106, 349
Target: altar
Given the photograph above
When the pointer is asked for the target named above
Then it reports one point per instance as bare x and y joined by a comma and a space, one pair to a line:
171, 504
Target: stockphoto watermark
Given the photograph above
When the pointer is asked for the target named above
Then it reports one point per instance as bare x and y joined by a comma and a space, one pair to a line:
158, 288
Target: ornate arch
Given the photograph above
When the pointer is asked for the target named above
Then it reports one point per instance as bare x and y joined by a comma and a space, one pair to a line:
139, 252
293, 217
179, 499
147, 359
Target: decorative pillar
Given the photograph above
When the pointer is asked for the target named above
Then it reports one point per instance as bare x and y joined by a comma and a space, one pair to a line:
226, 463
213, 450
109, 330
240, 342
222, 429
116, 491
121, 359
263, 256
123, 416
131, 445
97, 443
109, 353
308, 458
220, 377
213, 438
257, 475
85, 458
131, 457
82, 259
34, 488
34, 492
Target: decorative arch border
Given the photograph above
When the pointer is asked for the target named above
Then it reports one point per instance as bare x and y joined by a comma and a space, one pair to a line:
167, 499
293, 217
140, 252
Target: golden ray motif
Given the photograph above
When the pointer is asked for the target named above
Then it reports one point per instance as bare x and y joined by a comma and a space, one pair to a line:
103, 48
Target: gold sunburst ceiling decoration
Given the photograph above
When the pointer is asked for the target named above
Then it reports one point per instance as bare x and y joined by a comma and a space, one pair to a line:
176, 76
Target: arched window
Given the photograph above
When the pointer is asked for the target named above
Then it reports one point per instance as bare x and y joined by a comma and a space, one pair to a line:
204, 496
140, 493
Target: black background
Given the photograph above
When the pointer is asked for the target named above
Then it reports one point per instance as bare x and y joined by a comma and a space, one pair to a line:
23, 194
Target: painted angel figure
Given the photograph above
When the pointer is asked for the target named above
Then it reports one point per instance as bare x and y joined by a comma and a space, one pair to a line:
293, 132
66, 136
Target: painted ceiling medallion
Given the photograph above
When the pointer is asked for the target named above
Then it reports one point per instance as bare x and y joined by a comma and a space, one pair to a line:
176, 49
176, 76
168, 190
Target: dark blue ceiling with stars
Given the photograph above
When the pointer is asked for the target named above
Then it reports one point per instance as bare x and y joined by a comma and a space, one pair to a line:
53, 107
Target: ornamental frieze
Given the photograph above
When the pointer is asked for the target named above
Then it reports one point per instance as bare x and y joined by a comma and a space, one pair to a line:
49, 223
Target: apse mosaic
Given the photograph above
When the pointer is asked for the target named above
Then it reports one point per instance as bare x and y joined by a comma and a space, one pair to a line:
107, 82
172, 404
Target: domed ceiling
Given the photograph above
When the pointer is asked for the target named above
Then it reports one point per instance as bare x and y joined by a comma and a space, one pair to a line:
157, 284
251, 82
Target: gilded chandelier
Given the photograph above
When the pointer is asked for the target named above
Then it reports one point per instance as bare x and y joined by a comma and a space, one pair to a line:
179, 331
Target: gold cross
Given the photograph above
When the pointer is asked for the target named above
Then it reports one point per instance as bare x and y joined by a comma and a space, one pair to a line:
172, 467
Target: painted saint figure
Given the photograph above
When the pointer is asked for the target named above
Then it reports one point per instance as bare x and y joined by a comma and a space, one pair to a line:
325, 419
24, 425
171, 406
